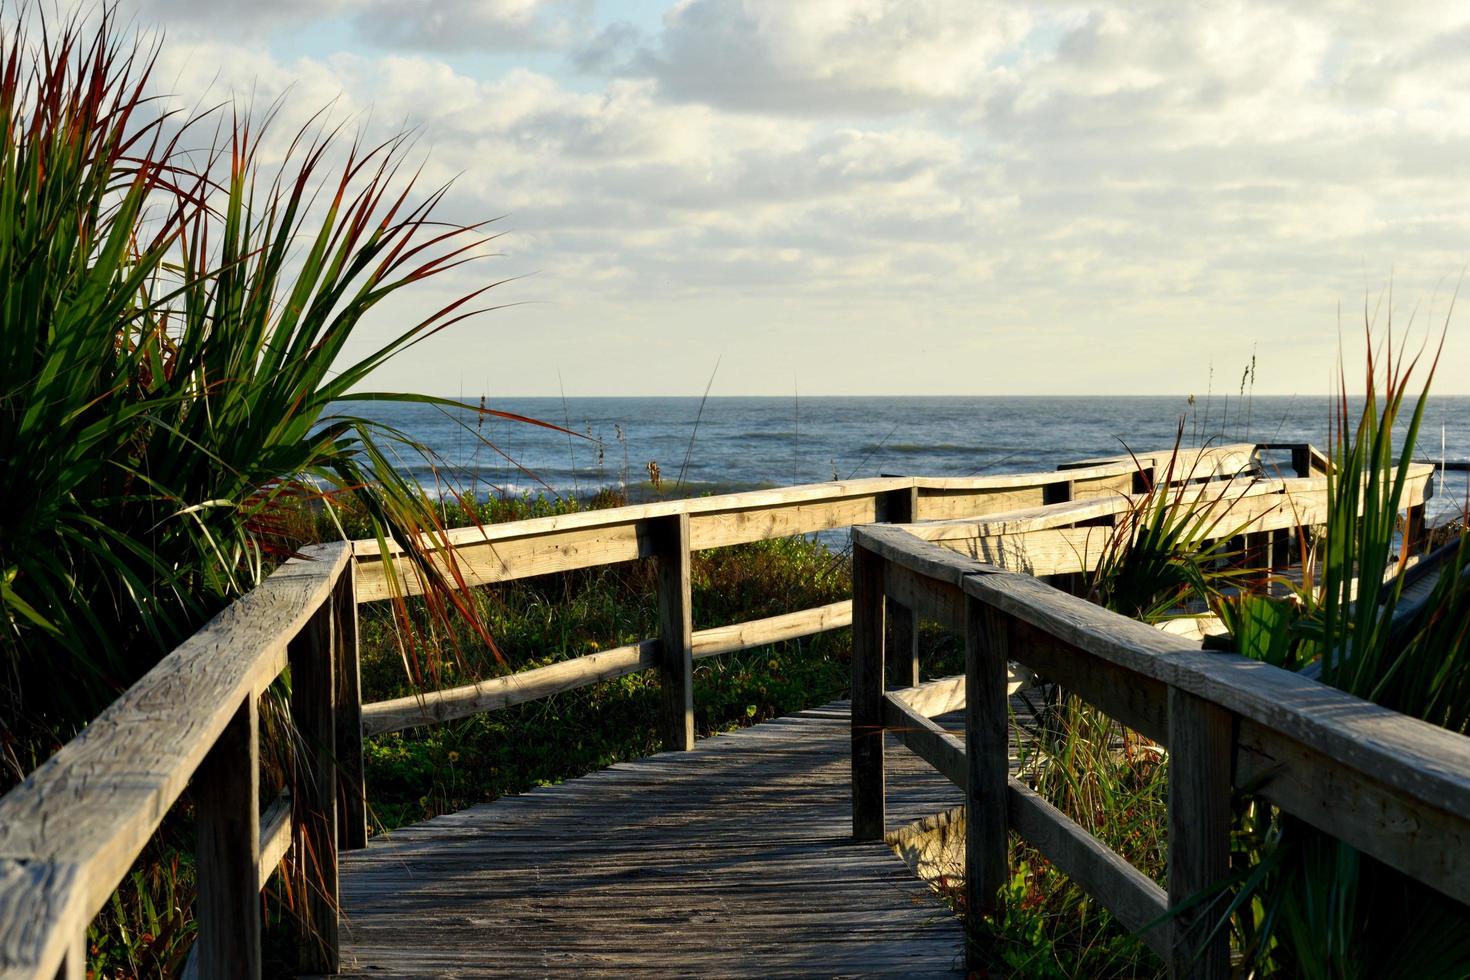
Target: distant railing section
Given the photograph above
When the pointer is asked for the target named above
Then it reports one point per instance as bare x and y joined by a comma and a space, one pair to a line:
71, 831
670, 531
1390, 785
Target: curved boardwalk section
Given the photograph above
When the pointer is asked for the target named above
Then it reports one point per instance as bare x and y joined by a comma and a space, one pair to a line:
734, 859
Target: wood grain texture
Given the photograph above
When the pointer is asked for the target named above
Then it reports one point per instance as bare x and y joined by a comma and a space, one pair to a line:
1425, 842
314, 796
927, 739
932, 698
676, 632
695, 506
1421, 759
227, 815
96, 803
947, 694
1304, 738
499, 692
351, 787
497, 553
924, 597
1209, 462
42, 925
732, 860
867, 694
717, 530
897, 546
989, 640
944, 503
772, 629
495, 693
275, 837
1200, 754
504, 552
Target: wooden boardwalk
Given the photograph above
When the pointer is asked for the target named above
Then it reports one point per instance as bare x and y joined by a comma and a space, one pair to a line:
733, 860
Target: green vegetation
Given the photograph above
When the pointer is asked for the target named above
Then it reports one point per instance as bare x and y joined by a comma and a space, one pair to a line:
1309, 905
1162, 557
1303, 904
421, 772
175, 328
173, 336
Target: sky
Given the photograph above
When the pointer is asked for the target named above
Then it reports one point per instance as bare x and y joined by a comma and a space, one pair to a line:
895, 196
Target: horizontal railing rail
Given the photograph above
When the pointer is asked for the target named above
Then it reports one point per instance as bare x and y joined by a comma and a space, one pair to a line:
71, 831
73, 828
668, 531
1390, 785
494, 553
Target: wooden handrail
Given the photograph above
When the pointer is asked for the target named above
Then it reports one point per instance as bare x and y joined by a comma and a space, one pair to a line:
72, 829
1393, 786
566, 542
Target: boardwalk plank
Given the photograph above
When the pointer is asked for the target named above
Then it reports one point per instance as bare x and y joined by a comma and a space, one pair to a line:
735, 859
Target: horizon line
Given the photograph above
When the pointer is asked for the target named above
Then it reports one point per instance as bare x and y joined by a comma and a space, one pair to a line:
788, 397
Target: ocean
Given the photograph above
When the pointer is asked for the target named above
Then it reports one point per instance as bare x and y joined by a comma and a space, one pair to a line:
731, 443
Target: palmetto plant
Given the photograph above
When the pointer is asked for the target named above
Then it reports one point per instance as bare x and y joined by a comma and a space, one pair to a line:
173, 334
1309, 905
1168, 546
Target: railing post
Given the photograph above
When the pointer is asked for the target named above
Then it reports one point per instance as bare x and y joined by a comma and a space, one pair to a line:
1301, 460
676, 630
1200, 746
1413, 530
868, 818
351, 787
1059, 493
987, 754
1281, 549
227, 815
902, 653
314, 792
1257, 557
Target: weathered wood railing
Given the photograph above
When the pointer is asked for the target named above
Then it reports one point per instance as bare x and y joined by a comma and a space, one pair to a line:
669, 531
72, 830
1392, 786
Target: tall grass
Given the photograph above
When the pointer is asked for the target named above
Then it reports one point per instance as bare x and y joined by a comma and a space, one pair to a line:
1309, 905
1164, 556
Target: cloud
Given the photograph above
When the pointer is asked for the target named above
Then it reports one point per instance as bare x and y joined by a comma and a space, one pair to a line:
472, 25
824, 56
426, 25
1075, 181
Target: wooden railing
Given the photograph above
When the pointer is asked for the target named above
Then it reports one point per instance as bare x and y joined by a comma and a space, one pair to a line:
669, 531
1392, 786
71, 831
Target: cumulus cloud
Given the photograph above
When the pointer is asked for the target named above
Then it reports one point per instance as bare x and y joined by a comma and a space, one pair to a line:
438, 25
822, 56
1039, 176
472, 25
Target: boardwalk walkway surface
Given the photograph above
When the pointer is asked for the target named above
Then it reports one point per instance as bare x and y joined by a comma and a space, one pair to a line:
733, 860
